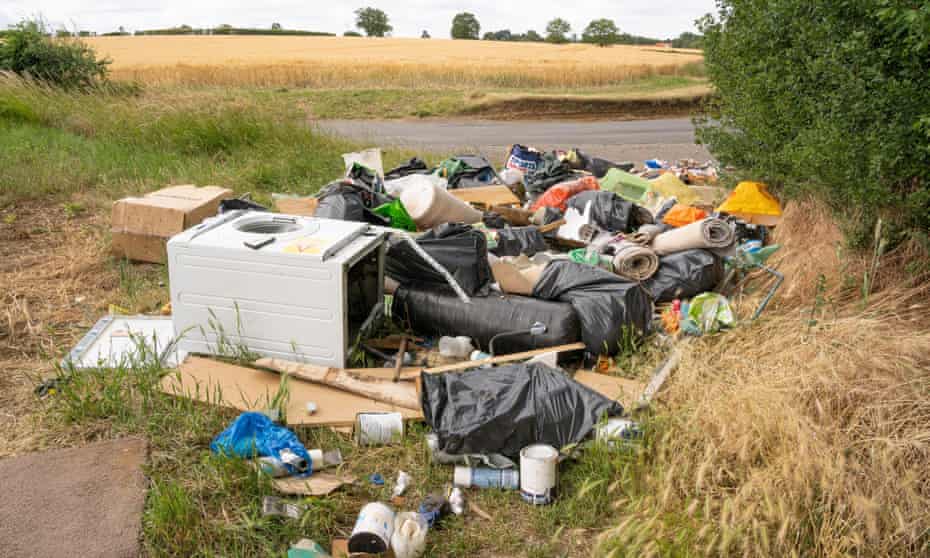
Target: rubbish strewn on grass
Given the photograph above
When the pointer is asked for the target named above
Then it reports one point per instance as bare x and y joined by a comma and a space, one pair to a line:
438, 282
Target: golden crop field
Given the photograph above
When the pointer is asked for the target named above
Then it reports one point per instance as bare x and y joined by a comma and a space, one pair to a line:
388, 62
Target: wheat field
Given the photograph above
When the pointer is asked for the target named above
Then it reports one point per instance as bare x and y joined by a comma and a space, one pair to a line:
390, 62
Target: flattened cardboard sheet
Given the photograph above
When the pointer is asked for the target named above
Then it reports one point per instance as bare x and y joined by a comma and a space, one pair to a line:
248, 389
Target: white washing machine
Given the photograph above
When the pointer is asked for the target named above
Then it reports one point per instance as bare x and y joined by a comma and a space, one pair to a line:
297, 288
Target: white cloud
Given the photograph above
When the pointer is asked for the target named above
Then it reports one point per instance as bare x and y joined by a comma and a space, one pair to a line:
654, 18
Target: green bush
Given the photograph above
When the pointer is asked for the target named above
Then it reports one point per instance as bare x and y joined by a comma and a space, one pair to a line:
825, 97
29, 51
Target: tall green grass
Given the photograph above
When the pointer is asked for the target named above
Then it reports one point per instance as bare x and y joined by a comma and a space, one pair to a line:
54, 144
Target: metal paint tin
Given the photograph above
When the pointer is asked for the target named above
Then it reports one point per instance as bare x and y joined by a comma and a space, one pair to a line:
373, 529
378, 429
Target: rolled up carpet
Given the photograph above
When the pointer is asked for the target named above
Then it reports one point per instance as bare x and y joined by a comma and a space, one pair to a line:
710, 233
633, 261
645, 233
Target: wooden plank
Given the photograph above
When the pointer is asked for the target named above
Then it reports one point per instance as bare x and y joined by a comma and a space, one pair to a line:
407, 373
551, 226
392, 342
513, 215
392, 392
487, 196
250, 389
504, 358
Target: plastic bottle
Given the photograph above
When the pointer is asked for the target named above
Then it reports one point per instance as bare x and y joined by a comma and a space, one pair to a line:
482, 477
458, 347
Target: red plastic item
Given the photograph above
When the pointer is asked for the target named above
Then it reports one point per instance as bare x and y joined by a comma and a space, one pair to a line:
557, 196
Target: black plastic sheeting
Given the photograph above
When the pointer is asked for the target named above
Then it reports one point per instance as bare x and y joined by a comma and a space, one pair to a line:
548, 174
685, 274
513, 241
350, 201
462, 250
608, 306
239, 204
611, 212
413, 166
434, 311
504, 409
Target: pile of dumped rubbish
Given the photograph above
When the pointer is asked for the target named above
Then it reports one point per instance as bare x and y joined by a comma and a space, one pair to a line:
482, 293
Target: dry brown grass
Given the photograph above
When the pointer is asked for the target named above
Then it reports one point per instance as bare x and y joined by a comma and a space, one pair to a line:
354, 62
793, 437
56, 280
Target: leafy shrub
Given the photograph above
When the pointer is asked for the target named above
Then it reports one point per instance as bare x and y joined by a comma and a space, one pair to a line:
29, 51
826, 97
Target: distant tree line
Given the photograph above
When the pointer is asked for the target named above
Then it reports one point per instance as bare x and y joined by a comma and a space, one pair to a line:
275, 29
376, 23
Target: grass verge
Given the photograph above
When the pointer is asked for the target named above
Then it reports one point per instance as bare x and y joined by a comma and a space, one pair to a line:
654, 96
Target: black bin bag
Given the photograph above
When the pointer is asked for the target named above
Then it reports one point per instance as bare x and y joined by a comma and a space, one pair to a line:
462, 250
513, 241
609, 211
607, 305
436, 311
504, 409
685, 274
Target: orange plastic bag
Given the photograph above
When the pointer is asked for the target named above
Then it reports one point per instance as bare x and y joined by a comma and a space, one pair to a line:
557, 196
680, 215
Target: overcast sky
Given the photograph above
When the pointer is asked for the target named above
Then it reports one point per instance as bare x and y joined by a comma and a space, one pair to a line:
653, 18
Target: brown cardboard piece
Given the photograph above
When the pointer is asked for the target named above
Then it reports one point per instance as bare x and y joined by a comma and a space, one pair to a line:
517, 277
142, 225
317, 484
296, 206
248, 389
486, 196
624, 390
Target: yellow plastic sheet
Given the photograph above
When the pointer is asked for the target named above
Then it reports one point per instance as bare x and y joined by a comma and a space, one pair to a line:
751, 198
668, 185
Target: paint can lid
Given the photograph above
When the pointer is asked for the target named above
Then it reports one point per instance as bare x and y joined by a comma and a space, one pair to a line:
543, 452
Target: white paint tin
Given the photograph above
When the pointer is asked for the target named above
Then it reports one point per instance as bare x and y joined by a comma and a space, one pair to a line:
378, 429
373, 529
539, 473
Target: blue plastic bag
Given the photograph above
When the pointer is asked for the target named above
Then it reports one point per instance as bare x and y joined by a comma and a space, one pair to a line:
255, 435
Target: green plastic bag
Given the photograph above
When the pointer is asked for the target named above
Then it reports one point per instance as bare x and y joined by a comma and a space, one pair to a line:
708, 313
397, 213
581, 255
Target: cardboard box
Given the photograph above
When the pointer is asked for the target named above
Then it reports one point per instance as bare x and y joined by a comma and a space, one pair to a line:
142, 226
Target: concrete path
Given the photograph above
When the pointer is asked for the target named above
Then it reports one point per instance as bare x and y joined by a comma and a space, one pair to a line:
635, 140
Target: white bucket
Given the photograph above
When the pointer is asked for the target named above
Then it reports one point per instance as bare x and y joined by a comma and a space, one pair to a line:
378, 429
539, 469
373, 529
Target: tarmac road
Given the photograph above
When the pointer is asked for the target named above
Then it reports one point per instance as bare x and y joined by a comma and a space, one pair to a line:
635, 140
